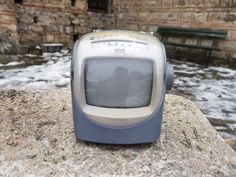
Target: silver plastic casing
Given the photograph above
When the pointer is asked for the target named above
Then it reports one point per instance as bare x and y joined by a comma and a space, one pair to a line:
117, 125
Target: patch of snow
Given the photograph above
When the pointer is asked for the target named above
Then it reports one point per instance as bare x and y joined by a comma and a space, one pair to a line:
55, 73
30, 55
223, 70
14, 63
232, 126
38, 47
64, 51
213, 88
52, 44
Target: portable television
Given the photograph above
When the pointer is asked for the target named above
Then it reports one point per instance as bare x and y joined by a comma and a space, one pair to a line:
118, 84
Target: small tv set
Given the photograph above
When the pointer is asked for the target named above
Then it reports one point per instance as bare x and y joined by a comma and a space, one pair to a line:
118, 84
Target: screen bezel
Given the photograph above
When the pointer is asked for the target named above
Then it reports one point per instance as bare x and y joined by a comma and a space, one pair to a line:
117, 116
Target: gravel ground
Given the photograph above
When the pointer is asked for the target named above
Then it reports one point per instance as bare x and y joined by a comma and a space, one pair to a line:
37, 139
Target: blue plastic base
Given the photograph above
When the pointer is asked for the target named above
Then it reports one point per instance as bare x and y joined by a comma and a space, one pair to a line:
145, 132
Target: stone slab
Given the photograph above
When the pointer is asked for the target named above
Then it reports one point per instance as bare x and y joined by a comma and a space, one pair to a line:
37, 139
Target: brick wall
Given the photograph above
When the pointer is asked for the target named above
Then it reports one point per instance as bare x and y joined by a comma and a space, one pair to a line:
148, 15
8, 28
46, 21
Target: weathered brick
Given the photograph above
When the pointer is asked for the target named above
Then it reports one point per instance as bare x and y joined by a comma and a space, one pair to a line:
7, 17
167, 3
168, 16
75, 21
217, 17
80, 29
59, 38
150, 4
68, 29
68, 39
49, 38
30, 38
231, 35
26, 19
144, 28
201, 17
213, 3
185, 16
142, 16
52, 28
230, 17
36, 28
180, 2
197, 2
60, 28
82, 5
228, 3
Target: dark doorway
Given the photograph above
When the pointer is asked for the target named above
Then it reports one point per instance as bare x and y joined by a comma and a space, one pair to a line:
73, 2
35, 19
98, 5
75, 37
18, 1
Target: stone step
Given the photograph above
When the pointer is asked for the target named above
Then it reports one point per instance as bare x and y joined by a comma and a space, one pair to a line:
51, 47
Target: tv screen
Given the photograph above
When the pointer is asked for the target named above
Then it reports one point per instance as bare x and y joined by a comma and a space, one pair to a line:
118, 82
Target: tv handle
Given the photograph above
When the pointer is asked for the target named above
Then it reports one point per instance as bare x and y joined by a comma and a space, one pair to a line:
170, 77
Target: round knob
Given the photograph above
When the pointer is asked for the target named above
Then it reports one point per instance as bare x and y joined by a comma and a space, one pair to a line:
170, 77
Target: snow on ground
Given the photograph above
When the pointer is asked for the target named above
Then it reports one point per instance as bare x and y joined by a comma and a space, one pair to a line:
54, 73
14, 63
212, 89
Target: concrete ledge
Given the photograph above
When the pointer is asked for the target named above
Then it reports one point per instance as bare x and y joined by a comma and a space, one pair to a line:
37, 139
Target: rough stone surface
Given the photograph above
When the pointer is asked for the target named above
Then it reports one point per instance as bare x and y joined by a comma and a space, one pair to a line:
37, 139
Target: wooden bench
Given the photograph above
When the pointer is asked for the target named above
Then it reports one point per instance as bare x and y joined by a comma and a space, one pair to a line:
203, 33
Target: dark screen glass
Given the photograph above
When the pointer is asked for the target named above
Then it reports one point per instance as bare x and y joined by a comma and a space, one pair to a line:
118, 83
